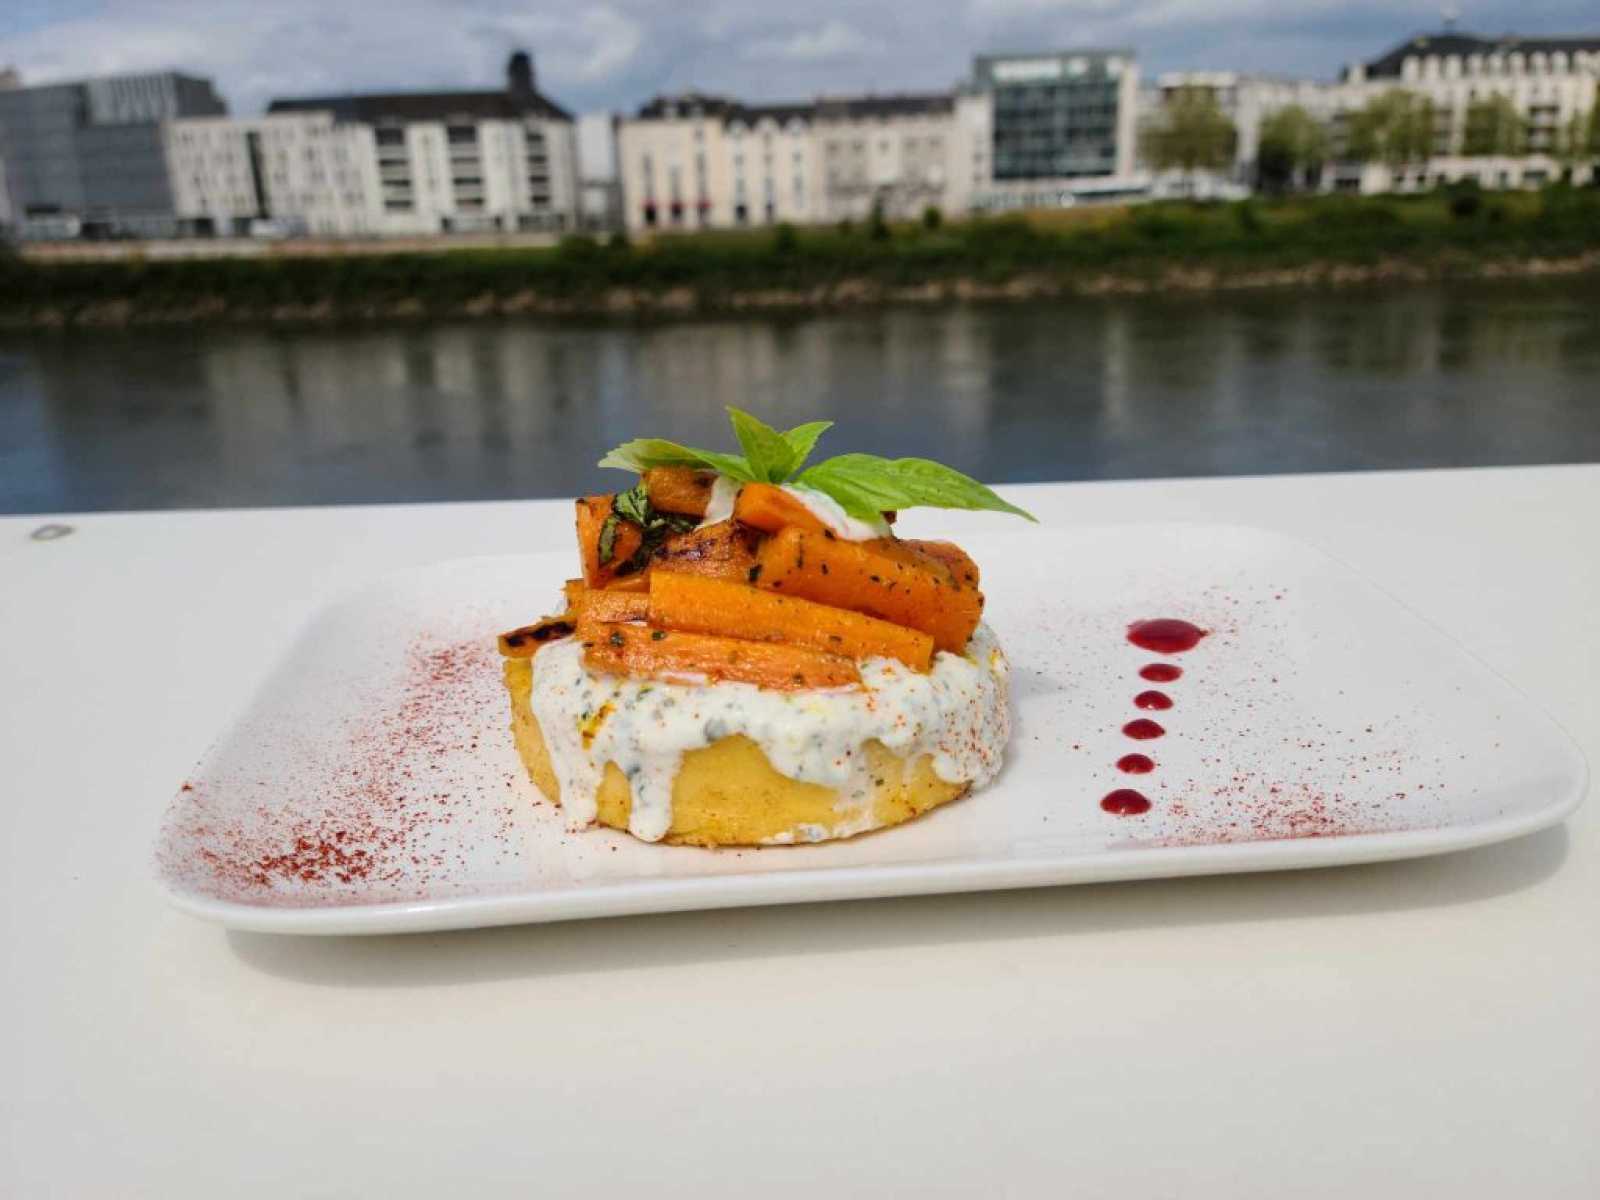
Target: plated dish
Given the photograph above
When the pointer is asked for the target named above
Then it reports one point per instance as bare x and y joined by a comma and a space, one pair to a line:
370, 784
752, 657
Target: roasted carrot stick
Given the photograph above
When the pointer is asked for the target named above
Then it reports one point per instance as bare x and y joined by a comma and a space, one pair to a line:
525, 642
592, 514
850, 575
719, 606
679, 489
723, 551
963, 570
644, 653
770, 508
614, 604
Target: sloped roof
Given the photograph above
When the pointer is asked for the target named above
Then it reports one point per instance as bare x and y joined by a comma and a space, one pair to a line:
1443, 44
376, 108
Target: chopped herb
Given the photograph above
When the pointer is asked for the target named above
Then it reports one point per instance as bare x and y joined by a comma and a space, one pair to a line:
608, 538
657, 634
755, 573
616, 638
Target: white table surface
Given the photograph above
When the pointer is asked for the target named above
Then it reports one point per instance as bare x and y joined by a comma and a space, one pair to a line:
1413, 1029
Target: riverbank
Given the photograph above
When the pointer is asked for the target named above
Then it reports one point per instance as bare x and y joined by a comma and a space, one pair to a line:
1304, 242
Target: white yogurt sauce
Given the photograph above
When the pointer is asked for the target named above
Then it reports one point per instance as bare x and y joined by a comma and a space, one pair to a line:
824, 507
828, 510
958, 713
720, 507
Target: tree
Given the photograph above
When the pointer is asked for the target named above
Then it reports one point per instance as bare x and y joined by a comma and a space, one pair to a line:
1494, 128
1395, 128
1292, 144
1191, 134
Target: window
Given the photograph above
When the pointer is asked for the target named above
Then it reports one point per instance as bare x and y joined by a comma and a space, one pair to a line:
461, 135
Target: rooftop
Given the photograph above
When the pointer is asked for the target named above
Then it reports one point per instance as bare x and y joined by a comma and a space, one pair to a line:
861, 107
1464, 44
518, 99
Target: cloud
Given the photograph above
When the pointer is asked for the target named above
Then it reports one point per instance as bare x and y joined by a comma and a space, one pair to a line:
617, 53
831, 39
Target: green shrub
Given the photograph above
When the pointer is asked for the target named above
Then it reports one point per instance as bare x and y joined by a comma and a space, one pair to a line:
932, 218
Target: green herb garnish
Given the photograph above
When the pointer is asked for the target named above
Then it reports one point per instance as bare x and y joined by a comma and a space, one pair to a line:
864, 485
634, 505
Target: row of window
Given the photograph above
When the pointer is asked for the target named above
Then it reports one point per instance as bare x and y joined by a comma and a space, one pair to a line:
1514, 63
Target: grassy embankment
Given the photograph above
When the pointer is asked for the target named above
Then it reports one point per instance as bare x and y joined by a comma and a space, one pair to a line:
1076, 251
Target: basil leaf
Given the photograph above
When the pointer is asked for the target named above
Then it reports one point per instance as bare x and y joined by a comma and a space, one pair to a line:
634, 504
802, 440
769, 454
606, 544
641, 454
866, 485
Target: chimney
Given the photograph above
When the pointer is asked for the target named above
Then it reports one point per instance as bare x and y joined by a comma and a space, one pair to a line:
519, 74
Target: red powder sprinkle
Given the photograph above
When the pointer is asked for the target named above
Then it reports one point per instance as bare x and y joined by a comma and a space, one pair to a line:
368, 824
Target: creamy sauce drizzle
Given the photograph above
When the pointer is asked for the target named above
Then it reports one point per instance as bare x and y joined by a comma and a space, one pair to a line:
957, 713
824, 507
827, 510
720, 506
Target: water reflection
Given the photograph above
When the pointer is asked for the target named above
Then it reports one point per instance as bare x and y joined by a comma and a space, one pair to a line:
1216, 385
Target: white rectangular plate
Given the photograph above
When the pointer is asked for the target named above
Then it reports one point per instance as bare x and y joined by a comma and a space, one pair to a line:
371, 786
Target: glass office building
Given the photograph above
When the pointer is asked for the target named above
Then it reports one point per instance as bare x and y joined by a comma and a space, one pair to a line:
1064, 115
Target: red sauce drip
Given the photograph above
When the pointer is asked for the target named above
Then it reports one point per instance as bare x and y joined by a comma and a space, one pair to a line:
1136, 764
1159, 701
1165, 635
1143, 729
1125, 802
1161, 672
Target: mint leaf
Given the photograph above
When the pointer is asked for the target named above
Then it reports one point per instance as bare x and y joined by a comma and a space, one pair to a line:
768, 452
641, 454
866, 485
802, 440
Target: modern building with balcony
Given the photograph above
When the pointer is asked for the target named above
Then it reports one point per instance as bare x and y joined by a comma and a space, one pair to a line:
1062, 126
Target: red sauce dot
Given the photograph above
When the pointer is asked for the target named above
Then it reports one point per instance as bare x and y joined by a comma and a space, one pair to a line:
1165, 635
1158, 701
1136, 764
1125, 802
1143, 729
1161, 672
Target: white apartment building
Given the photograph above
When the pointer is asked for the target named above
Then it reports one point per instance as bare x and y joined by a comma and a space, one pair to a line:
1553, 82
375, 165
303, 172
697, 161
901, 153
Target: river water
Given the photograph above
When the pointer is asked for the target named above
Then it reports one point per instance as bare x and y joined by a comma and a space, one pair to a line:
1215, 385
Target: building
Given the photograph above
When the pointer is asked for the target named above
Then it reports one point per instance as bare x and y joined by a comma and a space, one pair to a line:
1247, 101
699, 161
1062, 126
286, 173
1552, 83
89, 157
441, 161
896, 154
599, 189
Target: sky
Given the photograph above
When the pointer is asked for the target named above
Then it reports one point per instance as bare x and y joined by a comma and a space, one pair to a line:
615, 54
